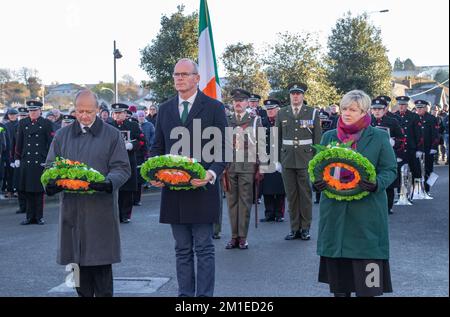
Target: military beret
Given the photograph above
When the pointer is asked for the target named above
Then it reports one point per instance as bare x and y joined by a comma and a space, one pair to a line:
379, 103
386, 98
254, 97
298, 87
68, 118
119, 107
132, 108
240, 94
12, 111
23, 111
34, 105
421, 103
402, 100
271, 103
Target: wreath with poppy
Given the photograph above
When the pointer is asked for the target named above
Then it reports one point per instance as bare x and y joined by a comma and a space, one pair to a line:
73, 176
336, 155
174, 171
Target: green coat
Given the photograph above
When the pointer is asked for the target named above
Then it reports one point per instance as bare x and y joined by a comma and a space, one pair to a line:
359, 229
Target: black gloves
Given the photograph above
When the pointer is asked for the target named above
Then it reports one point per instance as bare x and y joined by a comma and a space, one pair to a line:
319, 186
105, 186
368, 186
52, 189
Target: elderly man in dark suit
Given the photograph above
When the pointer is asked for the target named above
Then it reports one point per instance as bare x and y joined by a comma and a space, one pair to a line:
191, 214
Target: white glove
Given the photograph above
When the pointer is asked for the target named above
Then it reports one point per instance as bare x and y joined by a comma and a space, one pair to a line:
278, 167
433, 152
17, 163
392, 141
399, 160
419, 154
12, 165
129, 146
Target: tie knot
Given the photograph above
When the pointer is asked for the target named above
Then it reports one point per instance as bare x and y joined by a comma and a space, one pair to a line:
185, 104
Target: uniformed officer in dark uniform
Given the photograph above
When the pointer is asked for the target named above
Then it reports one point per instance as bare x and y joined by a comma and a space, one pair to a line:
298, 129
381, 120
130, 132
388, 113
241, 172
409, 122
11, 132
429, 137
272, 184
255, 108
34, 136
23, 113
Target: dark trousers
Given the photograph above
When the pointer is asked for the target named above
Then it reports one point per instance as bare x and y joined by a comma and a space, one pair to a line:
34, 203
274, 205
414, 164
9, 177
22, 202
194, 240
137, 194
390, 197
96, 281
429, 167
125, 204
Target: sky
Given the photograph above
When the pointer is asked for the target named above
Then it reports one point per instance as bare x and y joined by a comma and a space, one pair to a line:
72, 40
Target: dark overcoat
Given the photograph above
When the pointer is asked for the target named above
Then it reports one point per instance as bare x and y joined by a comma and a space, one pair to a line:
201, 205
88, 232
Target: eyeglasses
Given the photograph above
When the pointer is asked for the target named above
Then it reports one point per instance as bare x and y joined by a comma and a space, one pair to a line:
183, 75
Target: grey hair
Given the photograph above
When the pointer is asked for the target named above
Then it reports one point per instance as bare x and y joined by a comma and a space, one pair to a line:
356, 96
86, 92
194, 64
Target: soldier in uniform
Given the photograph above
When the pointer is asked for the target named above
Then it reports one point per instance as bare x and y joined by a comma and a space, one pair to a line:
429, 137
381, 120
240, 173
34, 136
130, 131
257, 110
23, 113
409, 122
272, 184
388, 113
298, 129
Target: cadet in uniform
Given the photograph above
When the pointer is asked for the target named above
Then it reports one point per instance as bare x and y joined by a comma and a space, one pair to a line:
388, 113
429, 137
272, 184
23, 113
34, 136
298, 129
409, 122
381, 120
130, 132
241, 174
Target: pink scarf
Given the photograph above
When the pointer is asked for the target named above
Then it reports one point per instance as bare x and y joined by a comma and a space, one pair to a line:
352, 132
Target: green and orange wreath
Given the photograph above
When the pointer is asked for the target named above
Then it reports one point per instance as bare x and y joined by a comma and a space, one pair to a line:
73, 176
174, 171
336, 155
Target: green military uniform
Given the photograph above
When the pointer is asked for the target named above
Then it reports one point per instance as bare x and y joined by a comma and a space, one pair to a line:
296, 135
241, 177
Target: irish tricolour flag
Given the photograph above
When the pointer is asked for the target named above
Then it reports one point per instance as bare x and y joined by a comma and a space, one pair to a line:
209, 78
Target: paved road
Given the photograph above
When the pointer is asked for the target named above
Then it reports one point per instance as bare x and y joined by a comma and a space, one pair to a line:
419, 238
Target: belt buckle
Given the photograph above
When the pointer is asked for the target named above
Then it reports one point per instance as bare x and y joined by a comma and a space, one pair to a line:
296, 142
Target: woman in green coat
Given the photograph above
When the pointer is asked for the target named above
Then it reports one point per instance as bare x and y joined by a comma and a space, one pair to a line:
353, 241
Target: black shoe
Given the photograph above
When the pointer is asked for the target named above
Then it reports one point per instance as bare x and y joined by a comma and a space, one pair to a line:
390, 212
41, 222
293, 235
26, 222
125, 220
279, 219
267, 219
137, 204
216, 236
20, 211
304, 234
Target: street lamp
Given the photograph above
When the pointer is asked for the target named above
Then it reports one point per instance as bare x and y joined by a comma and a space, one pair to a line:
117, 55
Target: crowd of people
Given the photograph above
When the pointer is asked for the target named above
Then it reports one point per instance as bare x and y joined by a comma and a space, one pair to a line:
412, 132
